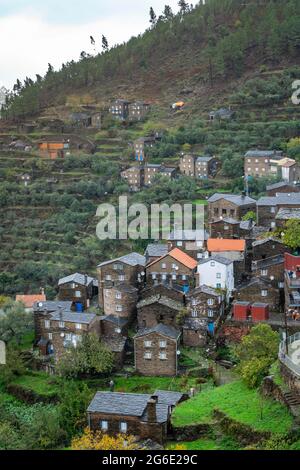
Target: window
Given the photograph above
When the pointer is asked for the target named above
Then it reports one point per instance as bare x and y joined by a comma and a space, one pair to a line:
174, 277
78, 326
118, 267
78, 294
118, 295
219, 276
154, 276
218, 286
108, 277
179, 243
147, 344
50, 336
148, 356
194, 313
123, 427
47, 324
104, 425
199, 244
264, 272
183, 277
162, 356
273, 210
210, 313
164, 277
163, 344
213, 264
61, 324
163, 265
210, 302
264, 293
119, 308
68, 337
122, 277
174, 266
73, 285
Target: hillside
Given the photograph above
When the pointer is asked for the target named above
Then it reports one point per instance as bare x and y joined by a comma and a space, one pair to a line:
221, 54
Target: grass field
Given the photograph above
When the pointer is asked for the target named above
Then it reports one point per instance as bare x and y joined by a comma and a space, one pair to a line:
39, 382
239, 403
225, 443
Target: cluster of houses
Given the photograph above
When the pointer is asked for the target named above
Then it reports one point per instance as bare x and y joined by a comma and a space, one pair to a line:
271, 163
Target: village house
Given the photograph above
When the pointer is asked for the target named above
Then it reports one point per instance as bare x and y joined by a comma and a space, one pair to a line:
128, 269
231, 249
259, 290
231, 228
120, 300
156, 351
234, 206
112, 326
30, 300
83, 120
42, 311
268, 207
262, 163
138, 110
151, 170
195, 332
170, 291
270, 268
216, 272
290, 170
141, 145
175, 267
283, 215
143, 415
222, 114
117, 345
267, 248
155, 251
208, 303
192, 242
54, 149
282, 187
78, 288
292, 286
135, 177
158, 309
62, 329
168, 172
199, 167
119, 109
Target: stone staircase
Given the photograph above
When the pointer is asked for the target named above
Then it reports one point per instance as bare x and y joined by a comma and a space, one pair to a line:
292, 400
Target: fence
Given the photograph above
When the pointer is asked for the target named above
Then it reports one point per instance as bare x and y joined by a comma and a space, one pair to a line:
284, 357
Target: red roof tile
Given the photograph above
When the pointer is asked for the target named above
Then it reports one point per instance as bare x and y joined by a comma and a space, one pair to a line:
222, 244
29, 300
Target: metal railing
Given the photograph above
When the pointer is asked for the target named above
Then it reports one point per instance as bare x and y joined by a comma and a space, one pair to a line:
284, 358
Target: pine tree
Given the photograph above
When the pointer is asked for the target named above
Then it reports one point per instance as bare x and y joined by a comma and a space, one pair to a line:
152, 17
184, 6
168, 13
104, 43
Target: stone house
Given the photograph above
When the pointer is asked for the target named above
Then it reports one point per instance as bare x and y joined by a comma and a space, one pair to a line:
120, 300
171, 291
143, 415
271, 269
25, 179
231, 228
156, 351
222, 114
62, 329
216, 272
151, 170
206, 302
195, 332
268, 208
168, 172
138, 110
128, 269
175, 267
155, 251
117, 345
290, 171
79, 289
192, 242
199, 167
259, 290
119, 109
42, 311
135, 177
262, 163
283, 215
158, 309
54, 149
282, 187
267, 248
112, 326
234, 206
141, 145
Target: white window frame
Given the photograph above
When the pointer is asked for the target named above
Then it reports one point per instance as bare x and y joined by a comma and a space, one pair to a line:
163, 356
104, 425
78, 326
163, 344
123, 427
148, 356
47, 324
264, 293
61, 324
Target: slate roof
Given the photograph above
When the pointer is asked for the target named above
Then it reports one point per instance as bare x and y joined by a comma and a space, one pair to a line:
160, 329
128, 404
247, 224
195, 324
266, 240
168, 398
217, 258
132, 259
281, 184
253, 281
77, 278
120, 321
226, 220
156, 250
73, 317
204, 159
52, 305
206, 290
187, 235
286, 214
238, 200
267, 262
115, 344
291, 199
263, 154
161, 299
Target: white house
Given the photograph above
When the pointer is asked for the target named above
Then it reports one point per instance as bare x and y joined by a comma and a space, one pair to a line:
217, 272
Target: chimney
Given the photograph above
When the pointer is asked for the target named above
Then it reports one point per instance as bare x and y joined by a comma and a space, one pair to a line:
60, 311
85, 279
151, 409
42, 290
243, 194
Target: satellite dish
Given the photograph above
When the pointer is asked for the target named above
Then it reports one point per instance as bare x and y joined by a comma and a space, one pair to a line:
178, 353
118, 330
62, 335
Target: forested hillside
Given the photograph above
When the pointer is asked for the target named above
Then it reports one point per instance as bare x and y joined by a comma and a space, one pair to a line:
209, 46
